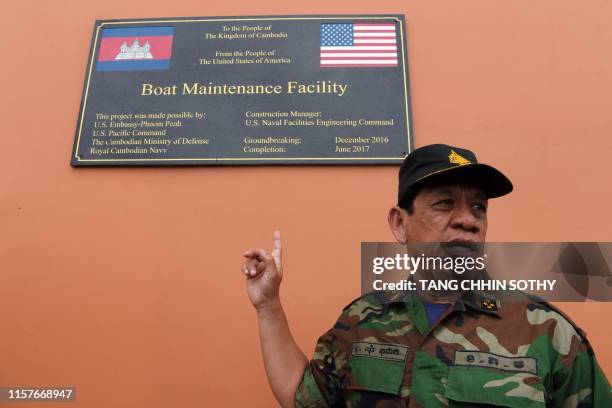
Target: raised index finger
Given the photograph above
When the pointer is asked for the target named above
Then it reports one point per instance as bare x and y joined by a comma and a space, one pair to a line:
277, 248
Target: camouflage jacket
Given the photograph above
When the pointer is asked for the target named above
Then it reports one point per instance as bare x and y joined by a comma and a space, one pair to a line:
383, 353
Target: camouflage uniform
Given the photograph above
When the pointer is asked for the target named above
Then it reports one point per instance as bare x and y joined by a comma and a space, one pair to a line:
382, 353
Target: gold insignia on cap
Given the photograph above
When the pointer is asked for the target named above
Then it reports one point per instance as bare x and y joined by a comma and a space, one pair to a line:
456, 158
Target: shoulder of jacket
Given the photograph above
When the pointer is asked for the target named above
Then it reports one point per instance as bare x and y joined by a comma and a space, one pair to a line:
370, 298
536, 302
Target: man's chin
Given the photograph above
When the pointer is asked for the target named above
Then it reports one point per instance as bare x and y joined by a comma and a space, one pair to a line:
461, 248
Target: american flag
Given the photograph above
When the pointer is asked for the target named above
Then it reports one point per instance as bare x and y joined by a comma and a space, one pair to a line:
358, 45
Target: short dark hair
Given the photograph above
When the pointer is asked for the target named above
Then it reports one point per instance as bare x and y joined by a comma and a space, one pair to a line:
407, 201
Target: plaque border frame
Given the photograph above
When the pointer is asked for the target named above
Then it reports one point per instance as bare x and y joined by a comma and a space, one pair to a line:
77, 161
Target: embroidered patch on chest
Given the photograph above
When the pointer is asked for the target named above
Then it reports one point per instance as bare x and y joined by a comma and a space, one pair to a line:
490, 360
382, 351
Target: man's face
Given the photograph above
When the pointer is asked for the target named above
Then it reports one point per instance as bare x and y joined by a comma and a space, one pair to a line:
446, 212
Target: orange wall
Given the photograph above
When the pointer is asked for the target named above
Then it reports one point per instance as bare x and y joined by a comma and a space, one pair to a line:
125, 282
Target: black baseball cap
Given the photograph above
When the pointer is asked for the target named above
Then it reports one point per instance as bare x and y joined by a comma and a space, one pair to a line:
433, 162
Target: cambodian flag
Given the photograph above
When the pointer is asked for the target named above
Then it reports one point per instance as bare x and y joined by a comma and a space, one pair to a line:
135, 48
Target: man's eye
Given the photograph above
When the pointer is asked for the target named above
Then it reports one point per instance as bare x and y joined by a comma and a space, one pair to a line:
480, 207
444, 203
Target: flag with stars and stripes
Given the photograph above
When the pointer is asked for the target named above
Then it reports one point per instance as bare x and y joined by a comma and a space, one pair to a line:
358, 45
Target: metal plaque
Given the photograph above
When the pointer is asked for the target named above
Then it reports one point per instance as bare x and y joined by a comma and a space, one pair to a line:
246, 90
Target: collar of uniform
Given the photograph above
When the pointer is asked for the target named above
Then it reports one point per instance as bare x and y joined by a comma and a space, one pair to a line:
475, 300
391, 296
484, 302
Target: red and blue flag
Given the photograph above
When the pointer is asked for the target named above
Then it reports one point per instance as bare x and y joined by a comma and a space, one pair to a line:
358, 45
135, 48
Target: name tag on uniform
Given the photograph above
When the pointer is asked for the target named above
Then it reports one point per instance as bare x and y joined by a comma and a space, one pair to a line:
383, 351
490, 360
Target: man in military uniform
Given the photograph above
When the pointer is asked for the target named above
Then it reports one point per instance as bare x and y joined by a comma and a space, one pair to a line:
432, 349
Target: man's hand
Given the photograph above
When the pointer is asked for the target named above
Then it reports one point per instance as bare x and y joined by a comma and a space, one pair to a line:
284, 361
264, 273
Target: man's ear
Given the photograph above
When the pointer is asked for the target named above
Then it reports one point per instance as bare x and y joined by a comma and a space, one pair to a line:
396, 218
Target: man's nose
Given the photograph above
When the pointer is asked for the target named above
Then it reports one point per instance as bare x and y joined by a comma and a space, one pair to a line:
464, 218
